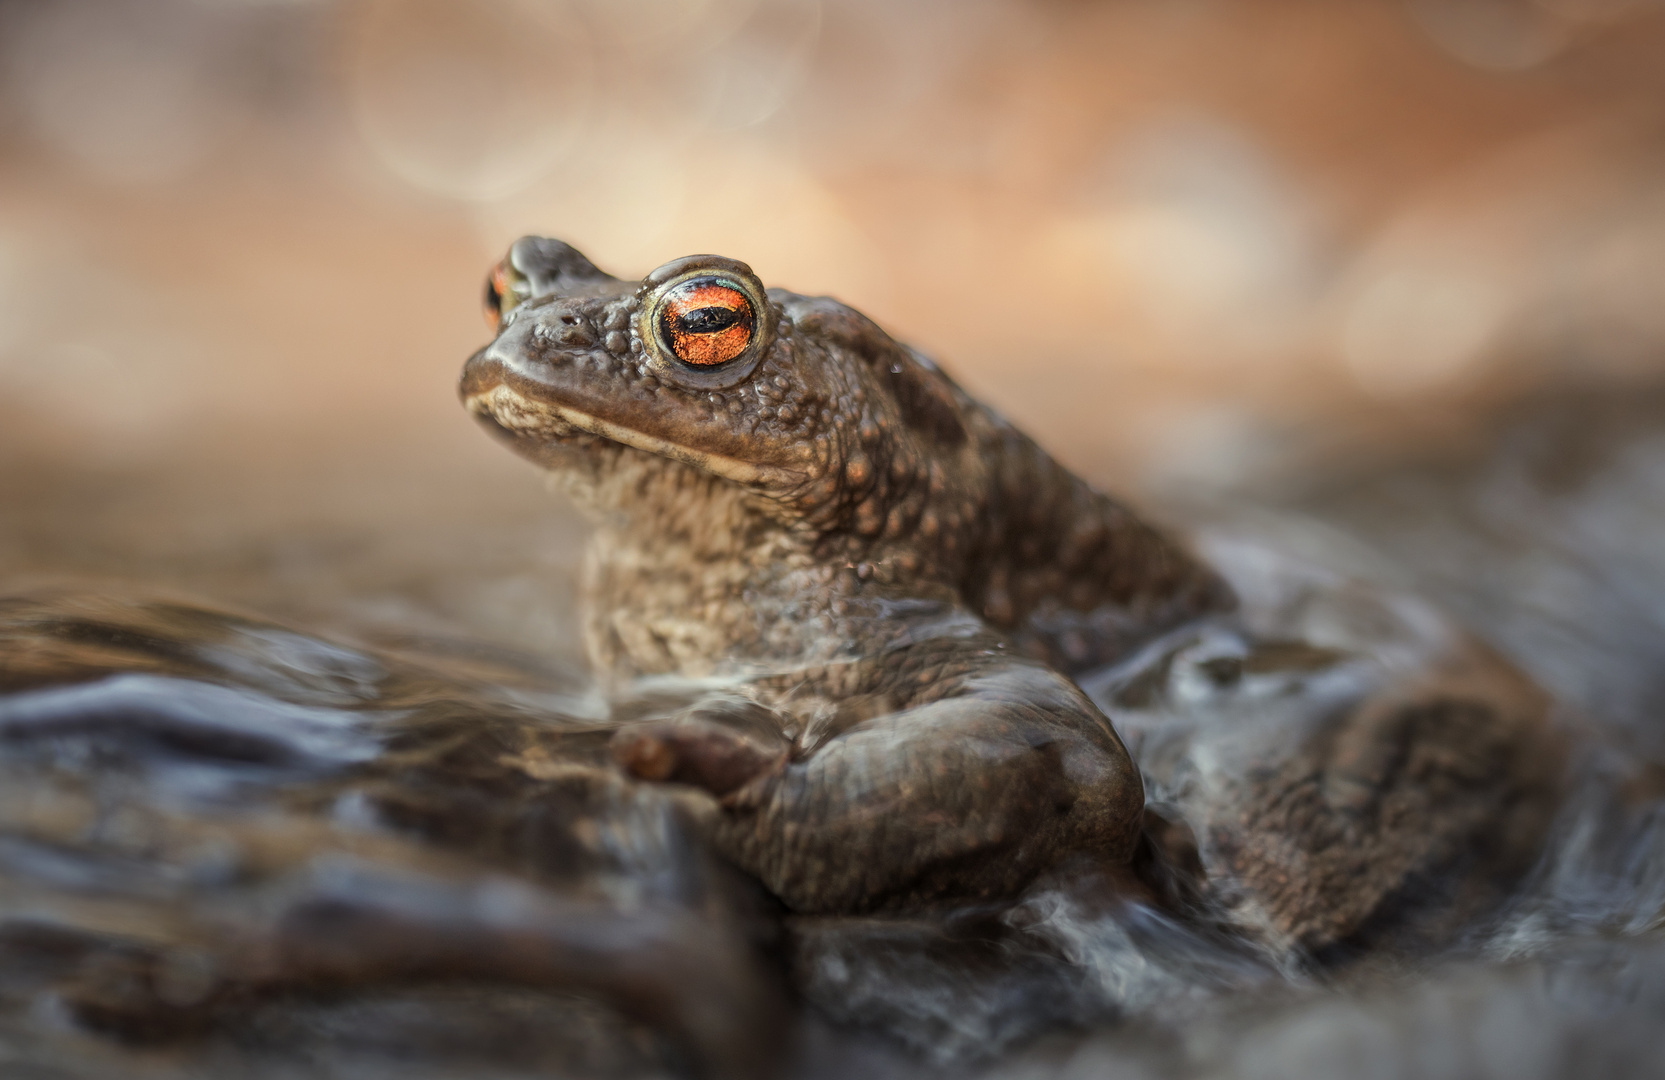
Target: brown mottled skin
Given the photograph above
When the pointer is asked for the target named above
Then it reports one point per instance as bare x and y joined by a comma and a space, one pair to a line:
900, 583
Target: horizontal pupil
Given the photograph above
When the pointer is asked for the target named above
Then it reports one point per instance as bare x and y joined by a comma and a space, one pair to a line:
707, 320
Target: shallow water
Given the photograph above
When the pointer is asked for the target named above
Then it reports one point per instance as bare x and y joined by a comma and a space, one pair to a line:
382, 835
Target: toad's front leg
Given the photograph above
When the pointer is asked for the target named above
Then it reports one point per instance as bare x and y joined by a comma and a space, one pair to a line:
1004, 773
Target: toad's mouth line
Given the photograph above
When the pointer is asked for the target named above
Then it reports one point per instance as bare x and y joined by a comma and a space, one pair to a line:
522, 415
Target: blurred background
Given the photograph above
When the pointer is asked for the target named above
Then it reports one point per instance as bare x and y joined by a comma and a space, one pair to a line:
1394, 269
1257, 242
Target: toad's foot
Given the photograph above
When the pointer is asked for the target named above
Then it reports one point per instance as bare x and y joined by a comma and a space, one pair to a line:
969, 795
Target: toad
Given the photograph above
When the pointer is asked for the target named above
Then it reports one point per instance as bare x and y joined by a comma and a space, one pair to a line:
896, 597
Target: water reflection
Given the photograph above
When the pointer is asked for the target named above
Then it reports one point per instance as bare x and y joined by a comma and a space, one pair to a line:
193, 847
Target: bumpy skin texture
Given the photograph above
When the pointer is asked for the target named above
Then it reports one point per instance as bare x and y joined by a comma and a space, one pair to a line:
900, 578
896, 590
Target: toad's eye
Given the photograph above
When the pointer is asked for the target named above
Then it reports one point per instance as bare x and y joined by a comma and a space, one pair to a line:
706, 321
506, 289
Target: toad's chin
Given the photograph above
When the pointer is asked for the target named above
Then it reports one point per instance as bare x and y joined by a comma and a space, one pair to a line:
552, 444
520, 417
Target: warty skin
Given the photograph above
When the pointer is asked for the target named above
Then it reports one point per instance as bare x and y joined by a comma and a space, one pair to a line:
883, 564
897, 588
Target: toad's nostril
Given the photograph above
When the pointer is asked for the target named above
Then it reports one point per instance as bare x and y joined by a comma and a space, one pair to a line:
569, 331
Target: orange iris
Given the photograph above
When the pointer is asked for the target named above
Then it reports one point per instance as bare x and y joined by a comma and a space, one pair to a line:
497, 286
706, 321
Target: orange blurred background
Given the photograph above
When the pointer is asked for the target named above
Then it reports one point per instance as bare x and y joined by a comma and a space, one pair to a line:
1191, 245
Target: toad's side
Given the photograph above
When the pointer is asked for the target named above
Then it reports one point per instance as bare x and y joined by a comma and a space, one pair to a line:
898, 590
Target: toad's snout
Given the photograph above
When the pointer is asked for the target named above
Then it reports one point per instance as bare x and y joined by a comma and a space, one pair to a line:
533, 349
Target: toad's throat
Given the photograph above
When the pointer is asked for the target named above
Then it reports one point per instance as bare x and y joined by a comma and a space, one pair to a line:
522, 415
